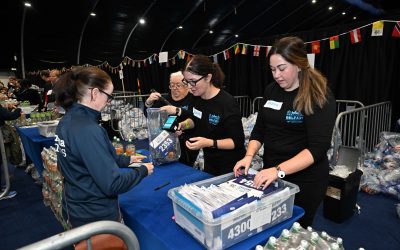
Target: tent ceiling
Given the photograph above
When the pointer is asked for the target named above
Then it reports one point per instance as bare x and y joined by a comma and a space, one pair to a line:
53, 27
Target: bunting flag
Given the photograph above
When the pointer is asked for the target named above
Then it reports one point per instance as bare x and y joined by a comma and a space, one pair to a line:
396, 29
215, 58
181, 54
237, 49
355, 36
377, 28
138, 64
334, 42
138, 86
226, 54
188, 58
151, 59
244, 49
315, 47
256, 51
173, 61
267, 50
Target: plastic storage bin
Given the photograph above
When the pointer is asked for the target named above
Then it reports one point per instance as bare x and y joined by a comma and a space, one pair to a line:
48, 128
225, 231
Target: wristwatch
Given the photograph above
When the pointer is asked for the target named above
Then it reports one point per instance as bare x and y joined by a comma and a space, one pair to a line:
281, 173
177, 111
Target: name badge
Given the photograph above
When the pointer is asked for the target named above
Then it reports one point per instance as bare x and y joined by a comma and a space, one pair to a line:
197, 113
49, 92
273, 105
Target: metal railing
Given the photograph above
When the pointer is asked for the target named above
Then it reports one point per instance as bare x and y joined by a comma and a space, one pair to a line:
245, 105
68, 238
361, 127
346, 105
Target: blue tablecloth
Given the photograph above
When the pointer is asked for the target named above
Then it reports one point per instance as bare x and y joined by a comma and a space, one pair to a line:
149, 212
33, 144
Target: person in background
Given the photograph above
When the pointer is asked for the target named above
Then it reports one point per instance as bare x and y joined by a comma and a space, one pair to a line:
180, 99
49, 96
27, 93
214, 115
85, 155
295, 125
7, 115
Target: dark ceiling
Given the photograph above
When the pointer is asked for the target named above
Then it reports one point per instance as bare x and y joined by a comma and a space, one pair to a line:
53, 29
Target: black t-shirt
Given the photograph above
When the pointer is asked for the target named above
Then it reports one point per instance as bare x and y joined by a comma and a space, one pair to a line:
286, 132
219, 118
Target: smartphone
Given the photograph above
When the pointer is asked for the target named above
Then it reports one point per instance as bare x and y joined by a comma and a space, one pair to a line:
171, 124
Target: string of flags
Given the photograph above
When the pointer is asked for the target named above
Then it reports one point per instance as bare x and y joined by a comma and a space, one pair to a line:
243, 49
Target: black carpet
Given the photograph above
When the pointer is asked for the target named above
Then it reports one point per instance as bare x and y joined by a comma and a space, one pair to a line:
24, 220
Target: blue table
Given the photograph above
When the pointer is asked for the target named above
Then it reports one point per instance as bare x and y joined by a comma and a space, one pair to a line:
33, 143
149, 212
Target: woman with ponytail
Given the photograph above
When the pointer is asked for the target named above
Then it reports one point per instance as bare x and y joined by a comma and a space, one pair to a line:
214, 115
295, 125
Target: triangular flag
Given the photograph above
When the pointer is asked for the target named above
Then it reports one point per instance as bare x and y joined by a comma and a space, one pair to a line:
237, 49
396, 30
181, 54
215, 58
377, 28
173, 61
267, 49
226, 54
315, 47
138, 64
138, 85
256, 51
244, 49
151, 59
145, 62
355, 36
163, 57
311, 59
188, 58
334, 42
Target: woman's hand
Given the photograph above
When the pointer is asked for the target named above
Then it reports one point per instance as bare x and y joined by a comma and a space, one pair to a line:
171, 110
137, 158
153, 97
149, 167
242, 166
266, 177
196, 143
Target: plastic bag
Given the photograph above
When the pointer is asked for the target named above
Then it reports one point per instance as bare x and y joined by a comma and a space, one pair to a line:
163, 145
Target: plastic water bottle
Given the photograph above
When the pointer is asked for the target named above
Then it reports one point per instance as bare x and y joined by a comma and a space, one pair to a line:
130, 148
296, 231
303, 245
271, 244
339, 241
334, 246
119, 148
284, 240
259, 247
314, 242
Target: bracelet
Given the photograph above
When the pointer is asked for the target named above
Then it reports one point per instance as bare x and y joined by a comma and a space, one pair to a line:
249, 155
148, 104
215, 144
187, 124
177, 112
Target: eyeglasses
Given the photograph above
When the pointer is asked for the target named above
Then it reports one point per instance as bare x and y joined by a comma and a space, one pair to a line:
109, 97
176, 85
192, 82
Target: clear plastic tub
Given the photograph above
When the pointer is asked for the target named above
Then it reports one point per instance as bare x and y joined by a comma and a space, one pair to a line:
48, 128
225, 231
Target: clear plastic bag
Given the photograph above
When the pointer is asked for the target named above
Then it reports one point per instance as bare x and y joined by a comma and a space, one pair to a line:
163, 145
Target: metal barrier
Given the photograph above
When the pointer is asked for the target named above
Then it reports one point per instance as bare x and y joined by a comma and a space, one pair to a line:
360, 127
68, 238
346, 105
245, 105
256, 104
4, 166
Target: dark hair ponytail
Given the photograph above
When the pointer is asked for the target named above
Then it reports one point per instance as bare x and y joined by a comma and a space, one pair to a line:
71, 86
202, 65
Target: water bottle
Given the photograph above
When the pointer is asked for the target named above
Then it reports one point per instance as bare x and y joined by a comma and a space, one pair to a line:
295, 230
334, 246
259, 247
303, 245
130, 148
339, 241
271, 244
284, 240
314, 241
